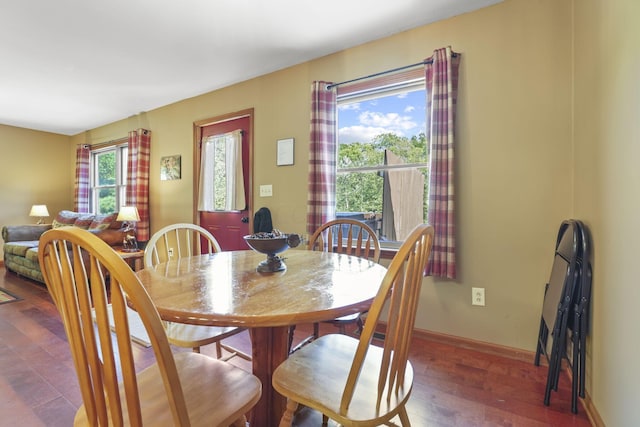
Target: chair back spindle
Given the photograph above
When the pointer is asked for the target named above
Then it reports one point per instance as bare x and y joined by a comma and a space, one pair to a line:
346, 236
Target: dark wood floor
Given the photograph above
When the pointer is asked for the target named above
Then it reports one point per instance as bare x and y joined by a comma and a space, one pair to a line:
454, 386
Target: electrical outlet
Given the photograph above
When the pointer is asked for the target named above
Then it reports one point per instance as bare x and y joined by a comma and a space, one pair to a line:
170, 251
266, 190
477, 296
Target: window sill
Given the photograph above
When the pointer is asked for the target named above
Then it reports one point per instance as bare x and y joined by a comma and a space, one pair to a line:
388, 252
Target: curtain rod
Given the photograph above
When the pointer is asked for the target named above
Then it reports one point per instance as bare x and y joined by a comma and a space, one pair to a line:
381, 73
106, 143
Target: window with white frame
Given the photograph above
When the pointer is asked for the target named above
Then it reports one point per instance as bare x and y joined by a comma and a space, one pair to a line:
382, 165
108, 178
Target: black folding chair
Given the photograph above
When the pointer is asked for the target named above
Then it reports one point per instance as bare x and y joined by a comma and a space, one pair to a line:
559, 302
579, 324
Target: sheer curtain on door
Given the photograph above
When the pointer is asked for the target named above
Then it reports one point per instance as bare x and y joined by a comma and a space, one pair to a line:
221, 185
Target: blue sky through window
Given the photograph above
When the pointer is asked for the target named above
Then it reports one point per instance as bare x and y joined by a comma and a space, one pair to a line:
403, 114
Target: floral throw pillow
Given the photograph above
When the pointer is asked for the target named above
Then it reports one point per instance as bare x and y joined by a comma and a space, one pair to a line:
84, 221
102, 222
65, 218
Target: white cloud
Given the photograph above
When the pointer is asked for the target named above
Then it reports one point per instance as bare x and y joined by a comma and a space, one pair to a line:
392, 121
373, 124
358, 133
354, 106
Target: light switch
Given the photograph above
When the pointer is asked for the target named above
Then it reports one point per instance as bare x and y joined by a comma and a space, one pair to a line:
266, 190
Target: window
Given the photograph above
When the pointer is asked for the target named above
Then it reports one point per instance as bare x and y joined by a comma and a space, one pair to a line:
382, 165
108, 178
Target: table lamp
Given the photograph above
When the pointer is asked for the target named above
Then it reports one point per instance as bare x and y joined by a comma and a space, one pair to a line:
39, 211
129, 216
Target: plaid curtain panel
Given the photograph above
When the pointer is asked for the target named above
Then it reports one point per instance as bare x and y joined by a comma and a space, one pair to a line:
139, 144
82, 184
442, 86
321, 203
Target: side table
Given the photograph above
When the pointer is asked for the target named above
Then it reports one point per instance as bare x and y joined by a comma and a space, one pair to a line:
134, 259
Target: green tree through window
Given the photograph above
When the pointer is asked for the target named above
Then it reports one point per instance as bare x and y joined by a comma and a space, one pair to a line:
107, 178
362, 191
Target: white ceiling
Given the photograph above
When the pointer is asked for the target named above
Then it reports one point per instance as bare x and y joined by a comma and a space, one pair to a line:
67, 66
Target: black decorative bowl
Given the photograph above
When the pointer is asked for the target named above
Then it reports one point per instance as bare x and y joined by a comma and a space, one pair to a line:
272, 245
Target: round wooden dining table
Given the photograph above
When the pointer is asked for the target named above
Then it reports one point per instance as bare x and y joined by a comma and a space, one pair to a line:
224, 289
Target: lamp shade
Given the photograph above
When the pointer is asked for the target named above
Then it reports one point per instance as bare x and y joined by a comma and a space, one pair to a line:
128, 213
39, 210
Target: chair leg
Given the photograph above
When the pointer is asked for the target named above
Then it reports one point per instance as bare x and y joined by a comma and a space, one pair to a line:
542, 341
235, 352
404, 418
292, 329
218, 350
325, 420
360, 324
196, 349
287, 417
307, 340
583, 359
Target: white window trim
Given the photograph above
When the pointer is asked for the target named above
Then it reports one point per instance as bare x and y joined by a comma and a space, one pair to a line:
121, 181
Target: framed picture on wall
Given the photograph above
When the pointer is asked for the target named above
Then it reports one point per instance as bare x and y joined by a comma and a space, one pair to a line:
284, 152
170, 168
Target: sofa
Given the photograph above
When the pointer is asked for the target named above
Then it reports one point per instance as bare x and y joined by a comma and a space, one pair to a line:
21, 241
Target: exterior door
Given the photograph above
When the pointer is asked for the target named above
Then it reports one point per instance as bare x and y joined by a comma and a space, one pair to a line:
228, 227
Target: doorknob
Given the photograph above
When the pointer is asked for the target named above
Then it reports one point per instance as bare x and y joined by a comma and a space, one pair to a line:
245, 219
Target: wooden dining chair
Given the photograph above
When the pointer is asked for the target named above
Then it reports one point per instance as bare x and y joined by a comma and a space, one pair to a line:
346, 236
174, 242
185, 389
350, 380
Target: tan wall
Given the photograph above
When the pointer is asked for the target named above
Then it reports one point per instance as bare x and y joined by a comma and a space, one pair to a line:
607, 177
514, 156
35, 170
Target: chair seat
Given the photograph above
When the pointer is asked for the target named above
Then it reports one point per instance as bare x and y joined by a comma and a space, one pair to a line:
216, 393
184, 335
317, 376
351, 318
195, 336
